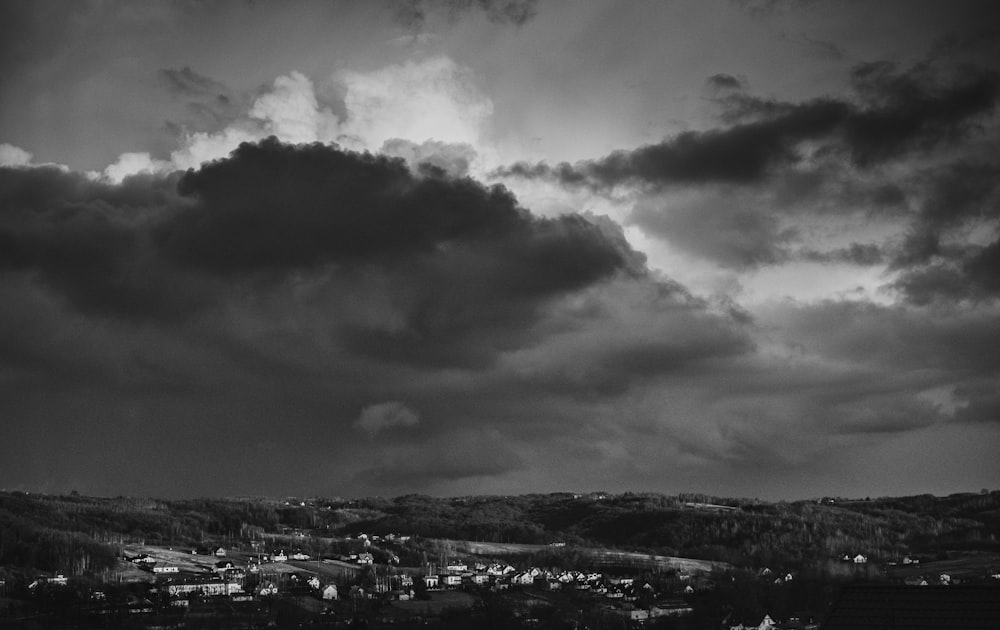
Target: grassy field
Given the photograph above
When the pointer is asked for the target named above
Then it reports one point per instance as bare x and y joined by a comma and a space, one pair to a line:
438, 601
602, 556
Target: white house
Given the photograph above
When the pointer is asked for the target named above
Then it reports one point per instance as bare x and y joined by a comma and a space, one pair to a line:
860, 559
329, 592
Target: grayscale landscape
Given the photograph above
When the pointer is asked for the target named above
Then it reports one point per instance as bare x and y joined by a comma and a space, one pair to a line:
683, 314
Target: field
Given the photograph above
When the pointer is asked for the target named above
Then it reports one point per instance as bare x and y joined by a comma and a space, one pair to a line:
187, 562
606, 557
438, 602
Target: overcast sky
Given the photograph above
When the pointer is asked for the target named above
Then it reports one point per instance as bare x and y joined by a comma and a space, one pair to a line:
745, 248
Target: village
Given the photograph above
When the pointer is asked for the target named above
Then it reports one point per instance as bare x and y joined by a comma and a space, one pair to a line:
250, 582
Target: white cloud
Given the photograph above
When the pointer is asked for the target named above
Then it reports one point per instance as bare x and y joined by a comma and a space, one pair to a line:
11, 155
133, 164
432, 99
377, 417
292, 113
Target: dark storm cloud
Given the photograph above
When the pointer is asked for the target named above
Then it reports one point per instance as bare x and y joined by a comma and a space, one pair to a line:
87, 239
281, 207
914, 108
896, 112
723, 81
440, 271
740, 154
934, 260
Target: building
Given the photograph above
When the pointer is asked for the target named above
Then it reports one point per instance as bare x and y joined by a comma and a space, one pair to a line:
181, 588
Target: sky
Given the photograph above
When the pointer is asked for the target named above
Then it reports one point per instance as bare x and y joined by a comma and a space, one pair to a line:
452, 247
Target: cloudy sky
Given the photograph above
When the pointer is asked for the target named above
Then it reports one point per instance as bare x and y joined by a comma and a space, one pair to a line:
745, 248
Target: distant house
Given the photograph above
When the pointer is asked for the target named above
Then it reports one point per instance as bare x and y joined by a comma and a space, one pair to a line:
366, 558
220, 552
58, 580
298, 555
279, 557
329, 592
860, 559
313, 582
169, 569
267, 589
205, 587
452, 581
431, 581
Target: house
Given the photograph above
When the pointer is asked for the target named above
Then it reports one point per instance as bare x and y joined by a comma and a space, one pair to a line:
522, 579
860, 559
58, 580
205, 587
220, 552
456, 567
452, 581
329, 592
313, 582
766, 623
169, 569
298, 555
479, 579
431, 581
279, 557
671, 608
366, 558
267, 589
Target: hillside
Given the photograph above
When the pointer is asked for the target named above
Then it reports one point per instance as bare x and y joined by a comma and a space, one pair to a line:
83, 535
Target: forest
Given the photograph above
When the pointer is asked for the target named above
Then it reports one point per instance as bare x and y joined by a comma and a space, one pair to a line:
77, 535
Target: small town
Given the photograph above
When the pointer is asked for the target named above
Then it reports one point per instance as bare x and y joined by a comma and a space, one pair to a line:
301, 576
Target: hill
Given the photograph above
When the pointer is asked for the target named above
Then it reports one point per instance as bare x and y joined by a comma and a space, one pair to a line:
79, 535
